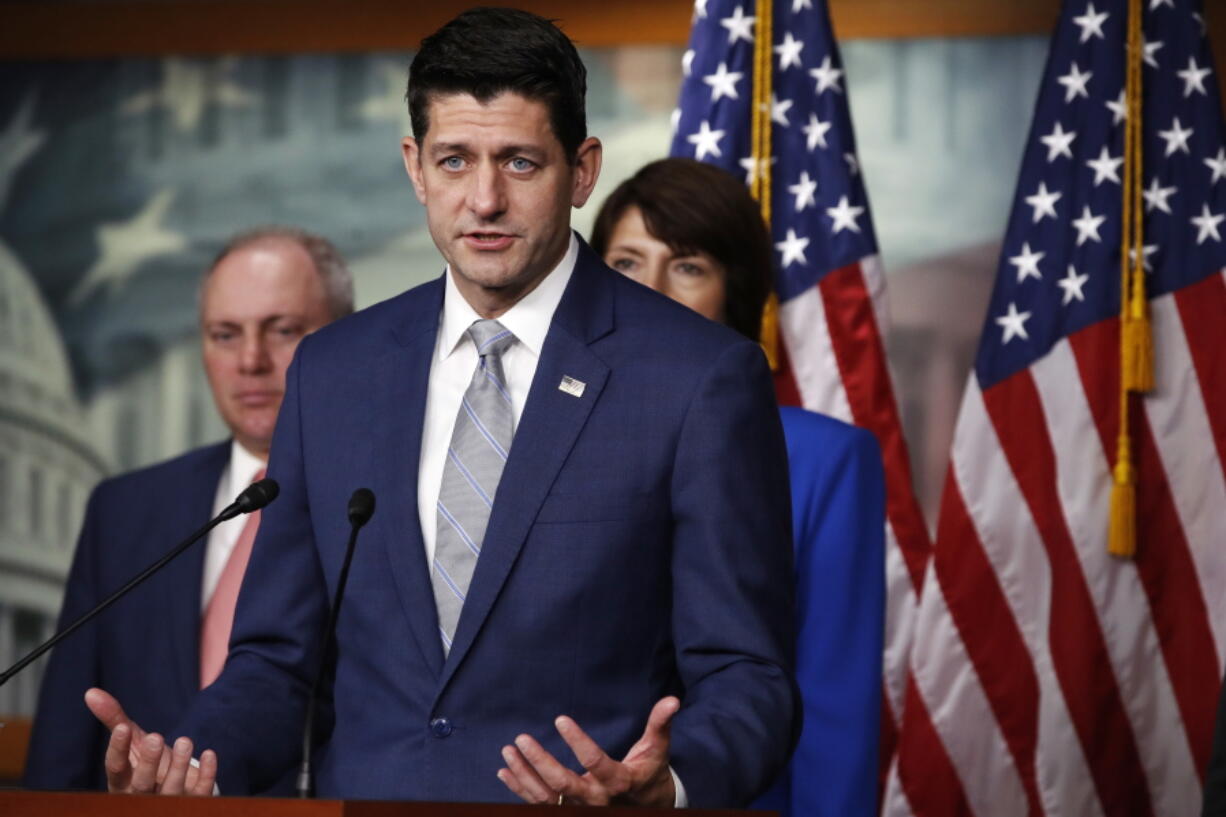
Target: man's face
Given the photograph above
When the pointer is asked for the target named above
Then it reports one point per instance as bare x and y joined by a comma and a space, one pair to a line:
255, 307
498, 191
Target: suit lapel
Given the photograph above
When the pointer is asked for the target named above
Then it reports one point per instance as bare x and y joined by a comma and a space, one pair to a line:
551, 422
181, 587
400, 381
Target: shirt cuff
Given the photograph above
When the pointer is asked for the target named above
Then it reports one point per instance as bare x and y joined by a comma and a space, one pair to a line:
680, 800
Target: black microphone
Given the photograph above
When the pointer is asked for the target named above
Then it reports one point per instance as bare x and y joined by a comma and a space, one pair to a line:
257, 495
361, 507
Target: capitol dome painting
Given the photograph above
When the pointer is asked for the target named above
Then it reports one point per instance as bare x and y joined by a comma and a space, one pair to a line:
47, 468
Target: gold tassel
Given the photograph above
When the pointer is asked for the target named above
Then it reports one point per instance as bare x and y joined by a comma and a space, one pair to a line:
1136, 335
769, 336
1139, 340
1122, 533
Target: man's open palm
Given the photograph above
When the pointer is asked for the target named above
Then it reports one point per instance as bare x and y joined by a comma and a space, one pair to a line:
642, 777
138, 762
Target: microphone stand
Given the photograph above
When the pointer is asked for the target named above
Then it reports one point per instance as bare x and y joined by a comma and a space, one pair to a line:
255, 497
361, 506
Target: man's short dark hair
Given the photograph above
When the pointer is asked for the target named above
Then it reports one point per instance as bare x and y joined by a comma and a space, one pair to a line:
485, 52
696, 207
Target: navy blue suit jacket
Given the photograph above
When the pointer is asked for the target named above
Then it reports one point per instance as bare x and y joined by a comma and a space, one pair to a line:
639, 545
143, 649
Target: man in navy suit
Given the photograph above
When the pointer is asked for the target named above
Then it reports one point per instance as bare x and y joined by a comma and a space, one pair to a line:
266, 290
577, 584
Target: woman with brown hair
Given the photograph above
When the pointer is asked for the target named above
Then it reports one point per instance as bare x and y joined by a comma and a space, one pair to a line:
692, 232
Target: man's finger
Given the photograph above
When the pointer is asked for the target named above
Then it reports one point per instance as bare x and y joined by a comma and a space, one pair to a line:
175, 780
655, 740
661, 717
206, 775
590, 756
537, 790
509, 780
118, 763
557, 777
106, 709
144, 776
163, 765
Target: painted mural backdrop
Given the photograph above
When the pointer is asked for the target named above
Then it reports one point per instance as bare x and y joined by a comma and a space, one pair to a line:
120, 179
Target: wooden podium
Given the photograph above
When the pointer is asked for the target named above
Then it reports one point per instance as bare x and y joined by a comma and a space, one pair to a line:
56, 804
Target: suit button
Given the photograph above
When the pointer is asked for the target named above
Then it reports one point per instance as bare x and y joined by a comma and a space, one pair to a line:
440, 727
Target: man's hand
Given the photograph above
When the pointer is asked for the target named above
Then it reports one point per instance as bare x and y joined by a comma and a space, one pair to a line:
138, 762
642, 778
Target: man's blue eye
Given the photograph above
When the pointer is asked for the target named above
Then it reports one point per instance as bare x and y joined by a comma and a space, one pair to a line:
521, 164
453, 162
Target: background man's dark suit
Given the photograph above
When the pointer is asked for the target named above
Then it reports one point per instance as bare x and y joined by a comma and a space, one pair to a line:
131, 520
639, 546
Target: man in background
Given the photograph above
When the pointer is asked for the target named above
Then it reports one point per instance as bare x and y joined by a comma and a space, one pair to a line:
166, 640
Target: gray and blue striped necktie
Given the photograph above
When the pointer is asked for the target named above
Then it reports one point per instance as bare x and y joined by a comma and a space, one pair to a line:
479, 447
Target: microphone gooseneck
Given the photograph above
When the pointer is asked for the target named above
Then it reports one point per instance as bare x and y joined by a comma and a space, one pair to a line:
255, 497
361, 507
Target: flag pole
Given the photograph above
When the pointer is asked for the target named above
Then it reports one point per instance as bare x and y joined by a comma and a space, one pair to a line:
760, 174
1136, 335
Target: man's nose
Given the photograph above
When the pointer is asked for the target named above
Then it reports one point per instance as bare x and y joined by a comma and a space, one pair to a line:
253, 355
487, 196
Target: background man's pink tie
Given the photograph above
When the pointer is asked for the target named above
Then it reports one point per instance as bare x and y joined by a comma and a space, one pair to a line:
219, 614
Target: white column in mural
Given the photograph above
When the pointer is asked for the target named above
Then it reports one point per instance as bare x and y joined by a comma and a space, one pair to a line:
8, 639
178, 369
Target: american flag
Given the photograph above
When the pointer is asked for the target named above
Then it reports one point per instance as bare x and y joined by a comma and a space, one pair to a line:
828, 276
1049, 677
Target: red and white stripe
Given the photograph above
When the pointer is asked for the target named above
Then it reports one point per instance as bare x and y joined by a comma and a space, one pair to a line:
1048, 677
835, 363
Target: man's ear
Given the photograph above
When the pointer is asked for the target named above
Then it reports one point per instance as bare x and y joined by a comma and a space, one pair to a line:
412, 166
587, 170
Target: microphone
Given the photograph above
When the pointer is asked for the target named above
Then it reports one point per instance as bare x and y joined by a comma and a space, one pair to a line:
257, 495
361, 508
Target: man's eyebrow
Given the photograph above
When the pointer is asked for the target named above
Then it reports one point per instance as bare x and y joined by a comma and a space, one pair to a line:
440, 148
528, 151
263, 320
506, 152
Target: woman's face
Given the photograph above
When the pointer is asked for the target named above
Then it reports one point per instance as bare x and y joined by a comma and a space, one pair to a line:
694, 280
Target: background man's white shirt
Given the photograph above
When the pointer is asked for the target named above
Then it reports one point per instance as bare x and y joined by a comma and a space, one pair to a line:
239, 473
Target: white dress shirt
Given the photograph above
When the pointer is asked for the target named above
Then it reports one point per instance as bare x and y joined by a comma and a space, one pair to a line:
239, 473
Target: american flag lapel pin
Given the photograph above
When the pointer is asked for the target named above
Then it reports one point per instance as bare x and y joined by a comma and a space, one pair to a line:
571, 386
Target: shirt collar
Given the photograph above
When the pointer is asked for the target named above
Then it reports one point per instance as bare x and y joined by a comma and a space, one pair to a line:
243, 467
528, 319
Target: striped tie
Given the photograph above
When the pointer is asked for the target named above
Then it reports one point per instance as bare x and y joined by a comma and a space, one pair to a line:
479, 446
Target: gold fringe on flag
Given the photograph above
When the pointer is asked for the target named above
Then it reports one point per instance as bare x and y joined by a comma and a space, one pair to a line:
1136, 334
760, 175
